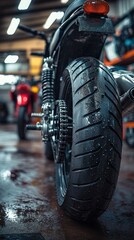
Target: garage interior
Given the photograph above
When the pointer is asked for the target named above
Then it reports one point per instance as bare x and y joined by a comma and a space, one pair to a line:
28, 205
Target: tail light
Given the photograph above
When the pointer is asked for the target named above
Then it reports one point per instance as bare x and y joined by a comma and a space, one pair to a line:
96, 6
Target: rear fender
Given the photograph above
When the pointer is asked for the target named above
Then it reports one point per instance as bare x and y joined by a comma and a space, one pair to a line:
79, 22
84, 36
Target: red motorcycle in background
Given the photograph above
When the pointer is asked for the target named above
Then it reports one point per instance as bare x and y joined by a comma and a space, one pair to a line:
24, 97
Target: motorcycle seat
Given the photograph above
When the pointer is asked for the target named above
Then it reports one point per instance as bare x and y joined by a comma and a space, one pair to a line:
72, 8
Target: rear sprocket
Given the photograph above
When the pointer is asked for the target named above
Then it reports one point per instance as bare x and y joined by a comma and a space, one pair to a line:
61, 125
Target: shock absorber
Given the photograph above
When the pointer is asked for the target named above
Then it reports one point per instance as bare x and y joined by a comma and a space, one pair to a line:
47, 98
47, 83
47, 80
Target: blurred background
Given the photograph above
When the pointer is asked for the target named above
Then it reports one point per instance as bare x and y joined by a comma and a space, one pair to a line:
17, 61
27, 193
16, 46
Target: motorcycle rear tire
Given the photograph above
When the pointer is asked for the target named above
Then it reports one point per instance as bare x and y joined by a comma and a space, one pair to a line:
86, 179
22, 116
48, 151
3, 112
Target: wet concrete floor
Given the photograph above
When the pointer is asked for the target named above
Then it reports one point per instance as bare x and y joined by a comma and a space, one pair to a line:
28, 199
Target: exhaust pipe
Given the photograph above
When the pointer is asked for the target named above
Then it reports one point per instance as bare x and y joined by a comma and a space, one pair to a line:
127, 102
124, 79
125, 85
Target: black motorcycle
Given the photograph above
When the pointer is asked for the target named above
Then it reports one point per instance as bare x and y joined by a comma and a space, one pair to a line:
81, 118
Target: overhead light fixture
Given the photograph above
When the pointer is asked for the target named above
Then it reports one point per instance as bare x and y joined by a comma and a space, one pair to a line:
52, 17
59, 15
11, 59
24, 4
64, 1
13, 26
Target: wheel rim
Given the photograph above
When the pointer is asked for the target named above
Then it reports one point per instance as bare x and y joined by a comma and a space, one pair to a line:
63, 169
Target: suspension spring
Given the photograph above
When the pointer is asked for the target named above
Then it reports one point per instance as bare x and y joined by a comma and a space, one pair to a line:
48, 86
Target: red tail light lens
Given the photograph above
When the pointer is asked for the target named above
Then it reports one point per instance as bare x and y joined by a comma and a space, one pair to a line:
96, 6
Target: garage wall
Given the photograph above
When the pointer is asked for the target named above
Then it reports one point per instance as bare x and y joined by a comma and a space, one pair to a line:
125, 6
120, 7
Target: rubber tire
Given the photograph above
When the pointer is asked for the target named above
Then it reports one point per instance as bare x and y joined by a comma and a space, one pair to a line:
129, 136
90, 88
3, 112
21, 122
48, 151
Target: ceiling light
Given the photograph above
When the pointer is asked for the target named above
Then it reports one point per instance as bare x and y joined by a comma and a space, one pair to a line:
13, 26
11, 59
64, 1
51, 19
24, 4
59, 15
